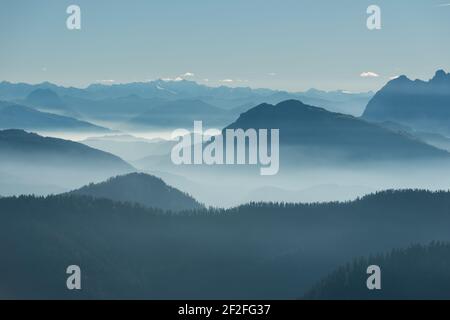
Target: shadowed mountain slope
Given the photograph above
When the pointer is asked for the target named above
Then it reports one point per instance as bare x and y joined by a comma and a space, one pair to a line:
423, 105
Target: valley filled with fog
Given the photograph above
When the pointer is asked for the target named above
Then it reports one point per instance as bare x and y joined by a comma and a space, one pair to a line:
316, 164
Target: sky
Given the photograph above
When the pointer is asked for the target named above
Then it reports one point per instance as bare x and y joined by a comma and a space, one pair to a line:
289, 45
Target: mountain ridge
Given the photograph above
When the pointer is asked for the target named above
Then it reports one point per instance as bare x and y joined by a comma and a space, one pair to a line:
16, 116
423, 105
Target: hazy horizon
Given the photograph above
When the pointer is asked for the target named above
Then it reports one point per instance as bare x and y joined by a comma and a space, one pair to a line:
292, 47
209, 85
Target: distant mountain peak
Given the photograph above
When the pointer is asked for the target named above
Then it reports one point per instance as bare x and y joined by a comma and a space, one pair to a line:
441, 75
16, 133
292, 103
401, 78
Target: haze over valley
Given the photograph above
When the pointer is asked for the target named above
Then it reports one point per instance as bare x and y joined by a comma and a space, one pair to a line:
90, 173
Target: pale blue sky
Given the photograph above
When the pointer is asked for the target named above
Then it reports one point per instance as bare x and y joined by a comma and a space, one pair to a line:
280, 44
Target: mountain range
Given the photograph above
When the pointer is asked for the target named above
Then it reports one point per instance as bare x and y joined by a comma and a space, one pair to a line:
329, 148
16, 116
132, 252
96, 100
137, 237
309, 136
32, 147
182, 114
50, 161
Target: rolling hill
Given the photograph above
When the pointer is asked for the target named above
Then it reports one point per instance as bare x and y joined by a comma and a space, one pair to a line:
423, 105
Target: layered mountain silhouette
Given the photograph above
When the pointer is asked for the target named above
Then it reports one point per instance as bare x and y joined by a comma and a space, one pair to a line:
423, 105
45, 98
318, 193
123, 101
20, 91
435, 139
143, 189
334, 101
15, 116
64, 163
48, 100
308, 132
182, 113
314, 137
426, 278
32, 148
130, 251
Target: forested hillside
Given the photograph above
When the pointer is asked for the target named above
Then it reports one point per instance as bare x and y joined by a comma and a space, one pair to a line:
259, 250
